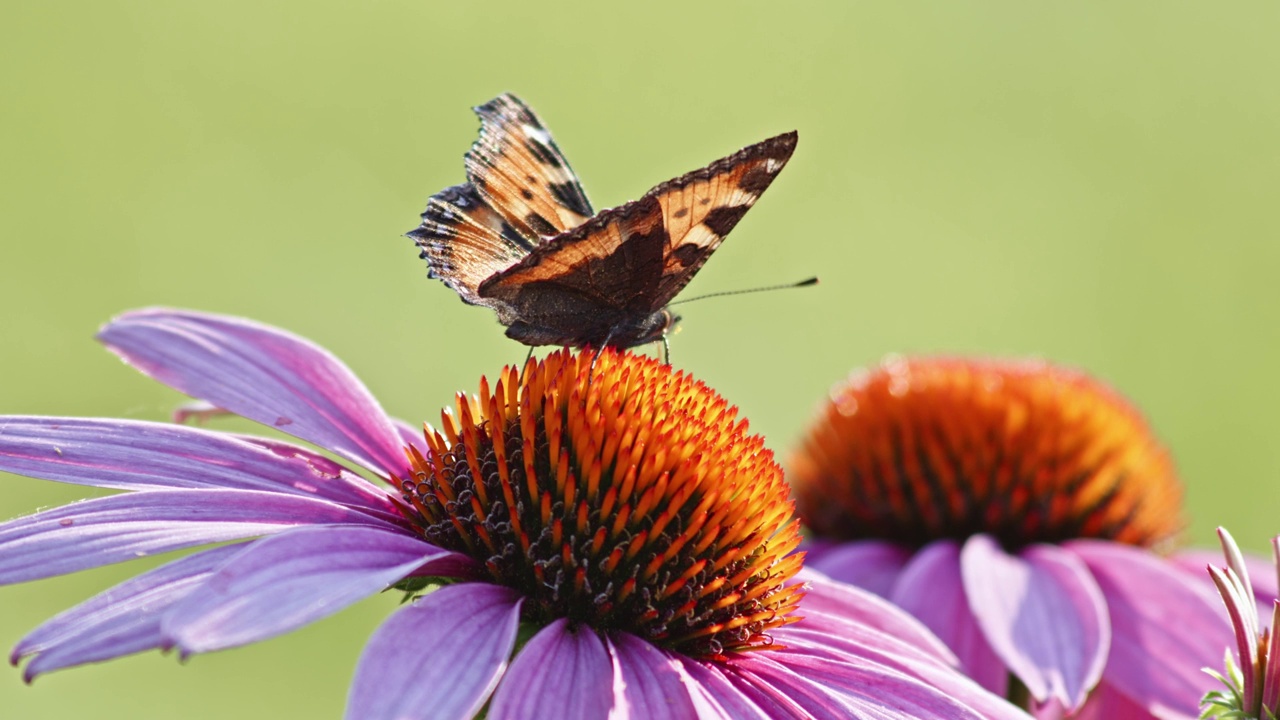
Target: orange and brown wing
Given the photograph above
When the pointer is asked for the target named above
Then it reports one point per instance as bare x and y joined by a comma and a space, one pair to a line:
582, 283
464, 241
700, 208
519, 170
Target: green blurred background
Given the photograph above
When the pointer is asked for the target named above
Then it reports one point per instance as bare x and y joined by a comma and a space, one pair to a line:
1089, 182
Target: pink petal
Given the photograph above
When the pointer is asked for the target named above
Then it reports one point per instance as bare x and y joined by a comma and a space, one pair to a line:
123, 620
1043, 615
283, 582
262, 373
124, 527
931, 589
1262, 575
562, 672
855, 645
856, 688
716, 696
439, 658
872, 565
823, 597
135, 455
655, 684
1165, 627
1105, 703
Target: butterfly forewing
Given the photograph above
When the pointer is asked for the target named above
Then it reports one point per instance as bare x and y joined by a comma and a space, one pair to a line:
520, 171
700, 208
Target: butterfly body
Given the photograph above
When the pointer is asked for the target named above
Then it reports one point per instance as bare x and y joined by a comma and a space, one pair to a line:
521, 237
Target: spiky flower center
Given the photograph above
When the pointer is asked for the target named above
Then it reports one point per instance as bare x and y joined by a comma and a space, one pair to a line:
918, 450
624, 498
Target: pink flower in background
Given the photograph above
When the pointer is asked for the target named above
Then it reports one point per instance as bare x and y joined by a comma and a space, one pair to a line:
1252, 679
626, 528
1014, 508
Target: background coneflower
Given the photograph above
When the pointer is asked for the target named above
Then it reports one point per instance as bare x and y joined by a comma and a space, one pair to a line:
1015, 508
608, 535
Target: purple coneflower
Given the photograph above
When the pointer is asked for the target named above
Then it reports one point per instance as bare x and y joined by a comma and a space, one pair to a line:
617, 518
1014, 508
1253, 681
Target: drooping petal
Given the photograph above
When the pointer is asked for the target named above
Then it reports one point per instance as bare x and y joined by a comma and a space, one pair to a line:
1165, 626
655, 684
113, 529
562, 672
410, 435
931, 589
136, 455
288, 580
802, 697
838, 600
439, 658
262, 373
120, 621
716, 696
1043, 615
1105, 703
872, 565
855, 687
856, 643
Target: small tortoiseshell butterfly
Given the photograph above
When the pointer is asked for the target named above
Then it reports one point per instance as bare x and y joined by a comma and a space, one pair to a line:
520, 236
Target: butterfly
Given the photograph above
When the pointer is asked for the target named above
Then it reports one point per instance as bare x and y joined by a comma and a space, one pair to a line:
521, 237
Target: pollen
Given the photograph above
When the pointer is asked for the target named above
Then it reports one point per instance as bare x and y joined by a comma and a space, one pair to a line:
925, 449
619, 494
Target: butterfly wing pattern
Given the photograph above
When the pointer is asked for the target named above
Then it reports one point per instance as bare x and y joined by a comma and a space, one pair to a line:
521, 237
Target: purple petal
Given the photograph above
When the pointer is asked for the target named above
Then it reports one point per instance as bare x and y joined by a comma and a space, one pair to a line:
123, 527
123, 620
715, 696
870, 564
824, 597
931, 589
262, 373
852, 688
562, 672
655, 684
854, 644
744, 696
288, 580
1165, 626
1105, 703
410, 435
439, 658
134, 455
801, 698
1043, 615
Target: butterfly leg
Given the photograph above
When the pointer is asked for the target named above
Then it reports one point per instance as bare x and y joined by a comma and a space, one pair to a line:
591, 373
666, 351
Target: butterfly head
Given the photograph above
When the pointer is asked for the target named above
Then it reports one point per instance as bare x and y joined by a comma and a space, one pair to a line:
651, 328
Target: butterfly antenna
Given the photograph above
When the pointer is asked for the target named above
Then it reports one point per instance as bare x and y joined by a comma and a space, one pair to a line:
803, 283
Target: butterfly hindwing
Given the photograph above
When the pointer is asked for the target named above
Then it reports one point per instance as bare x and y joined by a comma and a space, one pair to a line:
580, 284
520, 171
465, 241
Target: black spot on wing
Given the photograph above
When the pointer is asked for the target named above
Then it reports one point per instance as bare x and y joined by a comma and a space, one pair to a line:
526, 193
569, 194
540, 224
689, 253
756, 180
544, 154
722, 219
